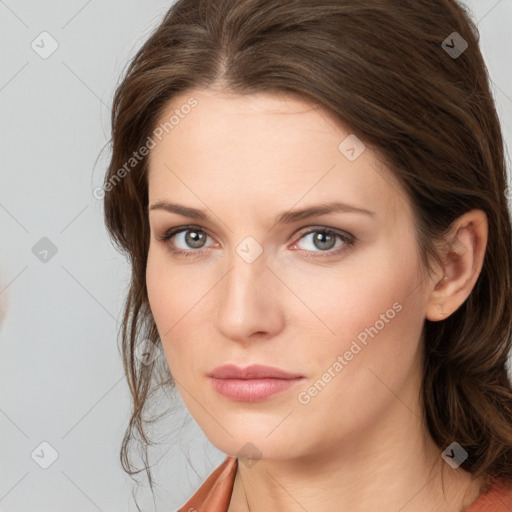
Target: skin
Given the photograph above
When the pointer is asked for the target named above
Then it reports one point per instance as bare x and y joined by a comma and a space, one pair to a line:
359, 444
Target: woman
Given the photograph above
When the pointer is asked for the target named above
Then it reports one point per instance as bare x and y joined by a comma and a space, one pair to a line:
312, 196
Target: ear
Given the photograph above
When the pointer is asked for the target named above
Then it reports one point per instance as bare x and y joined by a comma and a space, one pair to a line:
462, 263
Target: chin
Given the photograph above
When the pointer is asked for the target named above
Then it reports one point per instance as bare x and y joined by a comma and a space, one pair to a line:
245, 445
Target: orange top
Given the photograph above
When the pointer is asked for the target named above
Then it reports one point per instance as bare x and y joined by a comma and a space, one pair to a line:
214, 494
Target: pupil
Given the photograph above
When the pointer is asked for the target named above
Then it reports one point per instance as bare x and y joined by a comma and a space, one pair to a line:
321, 243
193, 238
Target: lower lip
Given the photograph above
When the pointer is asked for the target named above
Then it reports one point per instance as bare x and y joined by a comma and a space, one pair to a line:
252, 390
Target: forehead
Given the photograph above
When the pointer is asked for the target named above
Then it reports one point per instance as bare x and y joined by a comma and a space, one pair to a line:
260, 149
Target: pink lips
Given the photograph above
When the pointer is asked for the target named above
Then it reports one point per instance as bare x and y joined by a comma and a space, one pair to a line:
253, 383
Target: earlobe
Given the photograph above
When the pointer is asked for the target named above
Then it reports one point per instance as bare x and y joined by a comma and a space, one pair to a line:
462, 263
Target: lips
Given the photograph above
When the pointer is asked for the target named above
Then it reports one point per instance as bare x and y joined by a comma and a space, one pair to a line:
255, 371
253, 383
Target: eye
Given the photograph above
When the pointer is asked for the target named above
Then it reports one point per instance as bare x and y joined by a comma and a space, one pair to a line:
185, 240
324, 240
190, 240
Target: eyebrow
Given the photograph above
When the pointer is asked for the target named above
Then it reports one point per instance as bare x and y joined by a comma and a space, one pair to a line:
287, 217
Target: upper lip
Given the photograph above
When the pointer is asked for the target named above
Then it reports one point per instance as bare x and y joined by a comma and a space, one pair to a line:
255, 371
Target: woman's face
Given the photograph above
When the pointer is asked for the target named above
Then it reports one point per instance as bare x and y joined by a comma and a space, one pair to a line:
335, 299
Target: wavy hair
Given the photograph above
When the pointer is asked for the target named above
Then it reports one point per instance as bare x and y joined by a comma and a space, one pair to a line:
385, 69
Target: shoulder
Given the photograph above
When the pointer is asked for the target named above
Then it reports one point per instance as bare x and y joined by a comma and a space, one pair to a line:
496, 497
215, 492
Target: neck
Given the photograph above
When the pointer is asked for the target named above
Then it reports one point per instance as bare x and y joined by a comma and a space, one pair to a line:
378, 468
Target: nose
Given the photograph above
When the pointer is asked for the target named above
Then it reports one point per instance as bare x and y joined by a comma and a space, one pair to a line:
250, 301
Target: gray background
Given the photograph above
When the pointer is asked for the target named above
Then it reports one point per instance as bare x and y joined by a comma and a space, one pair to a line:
61, 377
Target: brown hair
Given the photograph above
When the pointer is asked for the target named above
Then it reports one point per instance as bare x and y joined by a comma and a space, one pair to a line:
382, 68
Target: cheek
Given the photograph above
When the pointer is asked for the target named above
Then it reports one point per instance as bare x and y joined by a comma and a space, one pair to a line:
356, 374
172, 290
176, 297
342, 301
377, 320
166, 295
365, 317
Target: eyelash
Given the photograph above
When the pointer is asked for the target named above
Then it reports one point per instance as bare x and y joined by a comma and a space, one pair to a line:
348, 241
